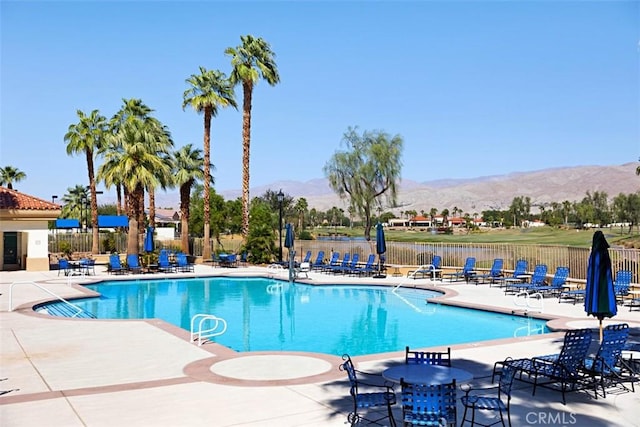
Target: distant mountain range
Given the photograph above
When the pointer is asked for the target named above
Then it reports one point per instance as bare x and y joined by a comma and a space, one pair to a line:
471, 195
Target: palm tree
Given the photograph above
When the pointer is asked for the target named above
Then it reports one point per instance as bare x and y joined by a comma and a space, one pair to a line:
130, 108
137, 167
207, 92
9, 175
73, 202
638, 169
135, 109
250, 60
188, 169
88, 136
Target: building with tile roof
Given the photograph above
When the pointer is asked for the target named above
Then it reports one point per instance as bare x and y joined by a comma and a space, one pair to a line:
24, 224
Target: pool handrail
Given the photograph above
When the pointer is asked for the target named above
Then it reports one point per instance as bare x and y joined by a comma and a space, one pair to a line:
53, 294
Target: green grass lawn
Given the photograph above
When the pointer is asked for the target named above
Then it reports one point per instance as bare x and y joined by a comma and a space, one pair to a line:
534, 236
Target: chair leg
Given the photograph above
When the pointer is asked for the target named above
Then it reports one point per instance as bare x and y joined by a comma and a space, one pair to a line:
464, 416
392, 420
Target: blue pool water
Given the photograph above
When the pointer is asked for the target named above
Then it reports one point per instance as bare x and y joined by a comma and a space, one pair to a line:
267, 315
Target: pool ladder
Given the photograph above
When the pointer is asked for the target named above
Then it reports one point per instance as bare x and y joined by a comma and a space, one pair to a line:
528, 301
214, 325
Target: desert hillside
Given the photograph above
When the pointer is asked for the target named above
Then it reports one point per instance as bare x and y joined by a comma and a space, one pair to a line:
470, 195
482, 193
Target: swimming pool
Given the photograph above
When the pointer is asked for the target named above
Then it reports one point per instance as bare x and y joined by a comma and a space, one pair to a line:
270, 315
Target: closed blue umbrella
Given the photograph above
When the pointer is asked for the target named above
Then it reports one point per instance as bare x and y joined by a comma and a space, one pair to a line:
288, 243
288, 238
148, 240
381, 246
600, 299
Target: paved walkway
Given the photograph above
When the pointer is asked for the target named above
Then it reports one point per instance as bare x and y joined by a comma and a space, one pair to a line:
75, 372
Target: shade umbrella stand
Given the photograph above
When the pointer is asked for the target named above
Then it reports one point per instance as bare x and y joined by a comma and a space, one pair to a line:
381, 249
600, 299
148, 240
289, 244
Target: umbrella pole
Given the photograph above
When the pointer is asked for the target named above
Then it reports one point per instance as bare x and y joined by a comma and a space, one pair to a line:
600, 329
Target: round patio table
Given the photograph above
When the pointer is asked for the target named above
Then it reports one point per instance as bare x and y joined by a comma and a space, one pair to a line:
427, 374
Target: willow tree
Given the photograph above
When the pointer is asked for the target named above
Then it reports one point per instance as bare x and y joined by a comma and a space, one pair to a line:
207, 92
252, 59
366, 172
88, 137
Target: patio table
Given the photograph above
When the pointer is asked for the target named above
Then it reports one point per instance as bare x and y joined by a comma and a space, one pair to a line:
427, 374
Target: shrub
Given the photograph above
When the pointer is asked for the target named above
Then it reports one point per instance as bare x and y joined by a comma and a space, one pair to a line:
109, 243
305, 235
65, 248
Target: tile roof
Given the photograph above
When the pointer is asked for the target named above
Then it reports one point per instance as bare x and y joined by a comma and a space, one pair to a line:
12, 199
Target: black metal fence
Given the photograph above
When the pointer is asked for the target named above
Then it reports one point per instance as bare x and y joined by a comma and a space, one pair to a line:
398, 253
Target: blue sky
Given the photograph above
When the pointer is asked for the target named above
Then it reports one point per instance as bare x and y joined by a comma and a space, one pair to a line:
474, 88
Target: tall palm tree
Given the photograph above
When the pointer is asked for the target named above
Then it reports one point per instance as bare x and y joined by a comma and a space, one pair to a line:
88, 137
138, 168
207, 92
135, 109
9, 175
250, 60
132, 107
188, 169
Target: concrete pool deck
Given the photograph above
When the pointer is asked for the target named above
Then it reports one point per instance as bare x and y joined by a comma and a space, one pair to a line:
79, 372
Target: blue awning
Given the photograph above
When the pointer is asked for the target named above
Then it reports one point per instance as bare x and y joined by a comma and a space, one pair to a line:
111, 221
67, 223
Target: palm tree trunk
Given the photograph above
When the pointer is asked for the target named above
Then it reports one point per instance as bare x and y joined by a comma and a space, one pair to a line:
134, 208
119, 199
185, 193
152, 207
206, 248
247, 87
94, 203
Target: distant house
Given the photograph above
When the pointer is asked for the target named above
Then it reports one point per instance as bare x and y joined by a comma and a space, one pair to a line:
398, 222
167, 223
534, 223
24, 224
419, 221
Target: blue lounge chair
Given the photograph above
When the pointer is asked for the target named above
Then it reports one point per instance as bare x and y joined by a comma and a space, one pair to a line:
374, 397
516, 277
133, 263
115, 267
368, 269
493, 274
351, 265
537, 279
307, 257
333, 262
164, 264
622, 284
182, 263
564, 373
431, 271
466, 273
558, 283
319, 262
429, 405
608, 367
340, 266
